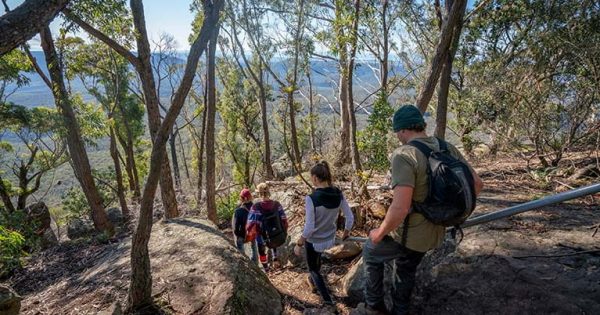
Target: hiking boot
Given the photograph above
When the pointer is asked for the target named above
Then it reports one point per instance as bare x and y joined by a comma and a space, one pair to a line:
311, 283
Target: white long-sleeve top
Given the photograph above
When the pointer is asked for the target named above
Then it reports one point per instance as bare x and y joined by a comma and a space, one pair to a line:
320, 223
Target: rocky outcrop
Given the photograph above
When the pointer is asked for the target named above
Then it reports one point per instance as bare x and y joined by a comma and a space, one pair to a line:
196, 270
79, 228
353, 282
39, 215
10, 301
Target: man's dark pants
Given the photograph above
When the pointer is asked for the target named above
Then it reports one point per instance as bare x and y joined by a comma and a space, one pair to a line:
406, 260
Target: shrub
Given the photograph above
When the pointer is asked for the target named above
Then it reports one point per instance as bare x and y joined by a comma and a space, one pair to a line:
11, 250
226, 206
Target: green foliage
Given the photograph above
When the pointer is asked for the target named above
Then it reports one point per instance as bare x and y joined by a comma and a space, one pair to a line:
226, 206
13, 65
11, 250
74, 202
241, 125
373, 140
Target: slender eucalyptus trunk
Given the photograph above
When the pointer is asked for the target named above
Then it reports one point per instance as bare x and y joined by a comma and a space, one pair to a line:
265, 126
211, 112
114, 153
356, 165
81, 163
173, 147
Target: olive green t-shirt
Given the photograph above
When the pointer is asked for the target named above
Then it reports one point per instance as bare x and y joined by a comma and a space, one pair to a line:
409, 168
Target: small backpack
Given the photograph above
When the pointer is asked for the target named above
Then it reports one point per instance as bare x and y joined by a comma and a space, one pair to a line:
451, 192
273, 231
240, 226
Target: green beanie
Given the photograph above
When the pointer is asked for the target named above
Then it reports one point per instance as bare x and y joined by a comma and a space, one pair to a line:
407, 116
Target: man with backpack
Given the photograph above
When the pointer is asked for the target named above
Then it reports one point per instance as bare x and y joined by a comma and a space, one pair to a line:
433, 187
238, 223
267, 224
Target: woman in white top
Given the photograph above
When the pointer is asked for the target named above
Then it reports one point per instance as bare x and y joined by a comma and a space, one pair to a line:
322, 210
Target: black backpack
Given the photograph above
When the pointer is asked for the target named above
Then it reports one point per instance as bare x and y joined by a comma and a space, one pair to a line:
273, 231
240, 225
451, 192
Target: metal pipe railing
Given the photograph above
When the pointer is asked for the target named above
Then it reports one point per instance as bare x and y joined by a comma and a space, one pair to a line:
524, 207
535, 204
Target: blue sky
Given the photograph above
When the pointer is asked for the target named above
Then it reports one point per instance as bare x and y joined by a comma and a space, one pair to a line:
173, 17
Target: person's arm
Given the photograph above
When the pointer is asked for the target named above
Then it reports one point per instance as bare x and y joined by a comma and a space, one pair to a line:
309, 221
396, 213
348, 216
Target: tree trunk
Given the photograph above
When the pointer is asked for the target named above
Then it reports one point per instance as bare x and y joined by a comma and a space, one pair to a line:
173, 147
10, 208
185, 164
21, 24
443, 47
356, 165
130, 165
211, 113
81, 164
201, 151
167, 189
265, 126
311, 113
344, 154
384, 65
446, 75
114, 153
297, 157
140, 290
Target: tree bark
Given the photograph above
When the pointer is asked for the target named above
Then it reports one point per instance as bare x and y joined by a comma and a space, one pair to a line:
443, 47
114, 153
384, 64
446, 76
262, 95
311, 113
167, 189
344, 156
201, 151
140, 290
81, 164
297, 156
211, 113
173, 147
356, 165
21, 24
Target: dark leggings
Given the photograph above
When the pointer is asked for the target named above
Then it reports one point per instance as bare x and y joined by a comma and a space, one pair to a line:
313, 260
263, 252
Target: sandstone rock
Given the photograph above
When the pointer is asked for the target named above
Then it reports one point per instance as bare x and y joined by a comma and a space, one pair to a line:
197, 270
344, 250
378, 210
79, 228
44, 226
115, 215
10, 301
353, 283
285, 253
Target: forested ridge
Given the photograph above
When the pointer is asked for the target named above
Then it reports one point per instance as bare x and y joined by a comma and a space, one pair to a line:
123, 154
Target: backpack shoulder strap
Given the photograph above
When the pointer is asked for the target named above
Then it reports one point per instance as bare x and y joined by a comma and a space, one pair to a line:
425, 149
443, 145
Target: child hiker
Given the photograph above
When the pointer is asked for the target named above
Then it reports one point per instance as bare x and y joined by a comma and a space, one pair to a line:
238, 223
267, 224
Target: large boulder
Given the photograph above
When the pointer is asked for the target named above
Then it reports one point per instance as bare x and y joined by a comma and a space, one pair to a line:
43, 225
10, 301
353, 282
285, 253
79, 228
195, 270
